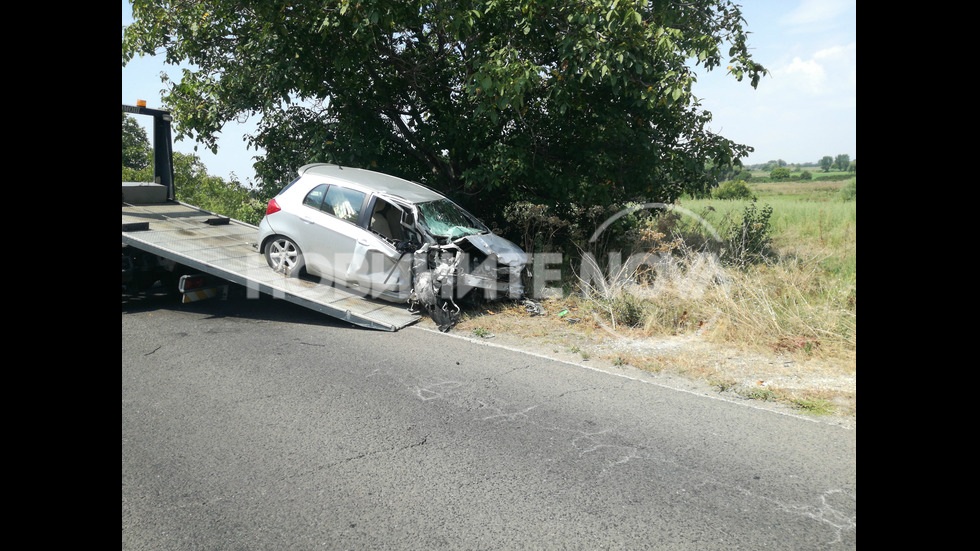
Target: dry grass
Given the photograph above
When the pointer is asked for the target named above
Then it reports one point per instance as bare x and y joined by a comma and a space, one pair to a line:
716, 341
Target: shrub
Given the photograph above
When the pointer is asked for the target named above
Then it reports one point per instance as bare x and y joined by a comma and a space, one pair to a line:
849, 191
732, 190
751, 240
779, 174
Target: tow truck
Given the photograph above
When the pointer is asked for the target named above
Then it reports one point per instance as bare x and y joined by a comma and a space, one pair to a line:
198, 253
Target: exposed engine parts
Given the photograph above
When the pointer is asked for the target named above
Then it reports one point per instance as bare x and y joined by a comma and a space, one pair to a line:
443, 273
444, 312
434, 286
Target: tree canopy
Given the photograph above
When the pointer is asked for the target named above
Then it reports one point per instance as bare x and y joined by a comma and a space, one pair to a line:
543, 100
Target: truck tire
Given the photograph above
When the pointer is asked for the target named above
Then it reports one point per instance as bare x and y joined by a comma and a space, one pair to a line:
284, 256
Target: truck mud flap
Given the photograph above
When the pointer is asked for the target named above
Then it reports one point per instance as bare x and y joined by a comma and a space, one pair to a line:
197, 287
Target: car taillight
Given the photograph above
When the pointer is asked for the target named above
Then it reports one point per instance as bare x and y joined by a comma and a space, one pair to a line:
272, 208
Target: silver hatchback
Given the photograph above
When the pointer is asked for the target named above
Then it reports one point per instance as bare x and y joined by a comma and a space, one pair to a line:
387, 238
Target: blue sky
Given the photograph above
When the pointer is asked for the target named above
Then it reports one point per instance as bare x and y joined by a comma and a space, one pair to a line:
805, 109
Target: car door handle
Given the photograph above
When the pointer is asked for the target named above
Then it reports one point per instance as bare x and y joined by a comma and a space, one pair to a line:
364, 242
307, 220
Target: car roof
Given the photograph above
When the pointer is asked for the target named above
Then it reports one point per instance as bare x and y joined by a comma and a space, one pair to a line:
371, 181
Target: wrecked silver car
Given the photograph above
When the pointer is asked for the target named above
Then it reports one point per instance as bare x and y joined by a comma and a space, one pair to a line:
387, 238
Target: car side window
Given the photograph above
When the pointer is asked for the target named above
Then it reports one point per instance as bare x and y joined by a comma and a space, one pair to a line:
343, 203
315, 197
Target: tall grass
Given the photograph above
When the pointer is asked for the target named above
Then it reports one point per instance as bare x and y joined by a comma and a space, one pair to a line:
809, 220
800, 299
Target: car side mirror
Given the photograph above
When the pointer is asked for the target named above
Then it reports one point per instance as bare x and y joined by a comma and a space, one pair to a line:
405, 246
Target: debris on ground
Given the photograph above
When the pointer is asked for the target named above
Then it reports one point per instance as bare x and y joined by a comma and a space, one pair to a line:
533, 308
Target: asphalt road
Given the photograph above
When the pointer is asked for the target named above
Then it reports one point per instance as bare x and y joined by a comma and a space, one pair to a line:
258, 425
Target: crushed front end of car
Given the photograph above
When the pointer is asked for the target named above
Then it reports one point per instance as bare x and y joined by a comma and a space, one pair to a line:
461, 257
490, 268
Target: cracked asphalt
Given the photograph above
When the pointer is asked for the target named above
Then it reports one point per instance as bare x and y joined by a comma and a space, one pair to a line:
256, 424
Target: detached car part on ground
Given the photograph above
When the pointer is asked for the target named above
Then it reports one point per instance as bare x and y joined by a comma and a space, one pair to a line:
387, 238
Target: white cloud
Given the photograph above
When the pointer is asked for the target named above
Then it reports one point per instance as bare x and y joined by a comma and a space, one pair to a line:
828, 71
807, 75
816, 12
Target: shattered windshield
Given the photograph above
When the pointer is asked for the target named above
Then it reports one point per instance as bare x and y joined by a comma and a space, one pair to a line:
444, 219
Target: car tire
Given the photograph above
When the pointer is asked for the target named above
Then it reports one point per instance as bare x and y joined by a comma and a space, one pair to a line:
284, 256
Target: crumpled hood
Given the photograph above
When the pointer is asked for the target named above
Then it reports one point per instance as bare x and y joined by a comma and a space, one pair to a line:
507, 252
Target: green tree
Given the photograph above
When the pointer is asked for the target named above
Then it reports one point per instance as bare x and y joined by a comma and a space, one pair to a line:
195, 186
826, 163
842, 161
544, 100
136, 151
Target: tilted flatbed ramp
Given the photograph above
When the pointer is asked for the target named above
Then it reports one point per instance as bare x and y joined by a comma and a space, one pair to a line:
226, 248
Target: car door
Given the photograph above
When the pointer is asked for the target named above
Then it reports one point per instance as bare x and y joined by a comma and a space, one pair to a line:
330, 219
378, 267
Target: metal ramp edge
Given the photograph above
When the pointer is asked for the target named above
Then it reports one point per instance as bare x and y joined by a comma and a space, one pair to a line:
182, 233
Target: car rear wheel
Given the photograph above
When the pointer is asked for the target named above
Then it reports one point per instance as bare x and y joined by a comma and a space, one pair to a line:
284, 256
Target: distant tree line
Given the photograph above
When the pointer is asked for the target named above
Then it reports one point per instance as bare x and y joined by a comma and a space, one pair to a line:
841, 162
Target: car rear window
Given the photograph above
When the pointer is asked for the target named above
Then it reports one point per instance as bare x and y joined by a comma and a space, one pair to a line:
315, 197
343, 203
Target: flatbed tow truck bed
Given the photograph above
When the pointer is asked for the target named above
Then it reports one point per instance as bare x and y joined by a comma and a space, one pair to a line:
225, 247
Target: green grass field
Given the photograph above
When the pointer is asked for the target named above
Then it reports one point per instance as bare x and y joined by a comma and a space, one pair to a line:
809, 219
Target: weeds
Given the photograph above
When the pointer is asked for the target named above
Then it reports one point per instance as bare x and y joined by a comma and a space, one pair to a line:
724, 385
750, 241
762, 394
816, 406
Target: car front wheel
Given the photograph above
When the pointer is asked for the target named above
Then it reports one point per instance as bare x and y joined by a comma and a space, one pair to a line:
284, 256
